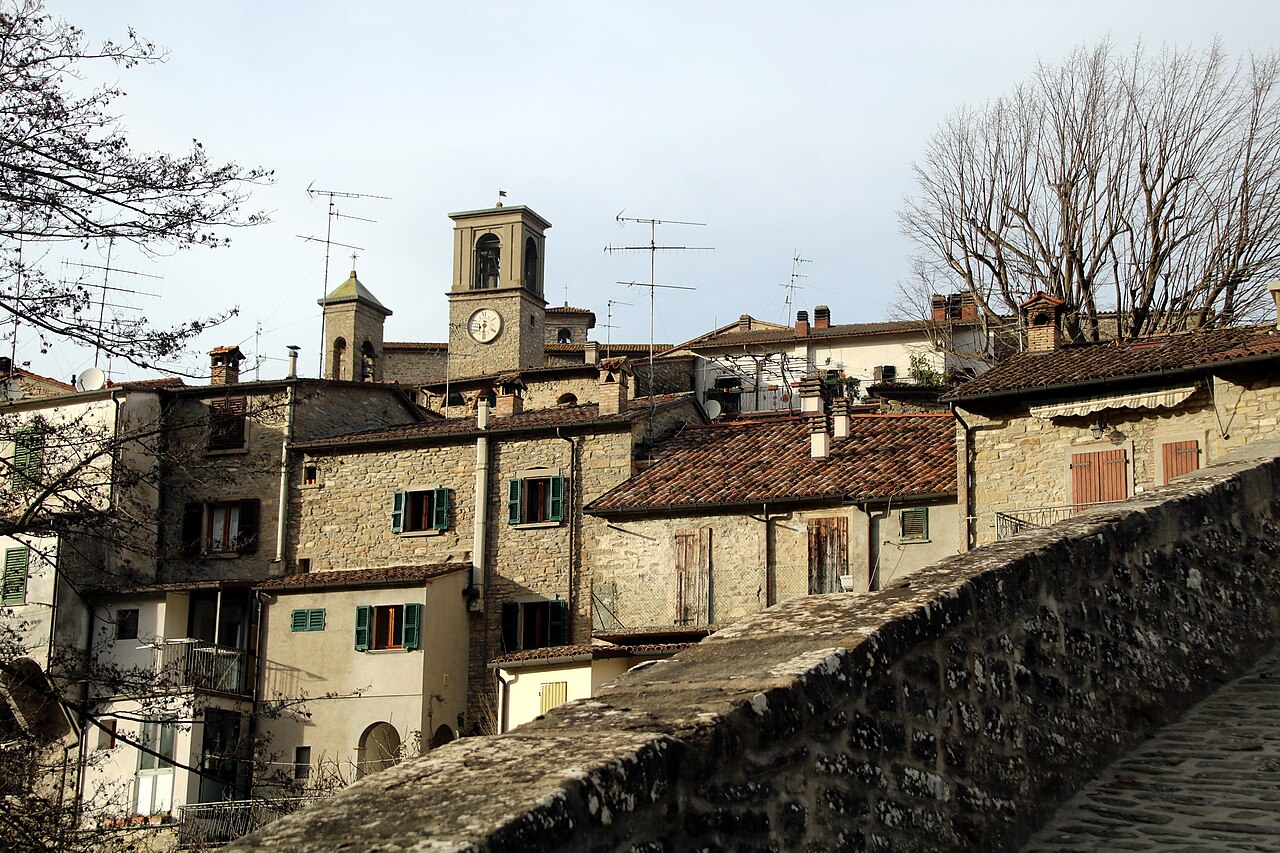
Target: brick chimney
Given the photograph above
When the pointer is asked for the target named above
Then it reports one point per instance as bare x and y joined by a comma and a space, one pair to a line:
613, 382
1274, 287
224, 365
840, 417
509, 399
954, 307
822, 317
1042, 314
744, 323
802, 323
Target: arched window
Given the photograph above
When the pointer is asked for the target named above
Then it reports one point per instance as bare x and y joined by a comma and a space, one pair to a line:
443, 735
367, 360
531, 266
339, 353
567, 400
488, 263
379, 749
564, 336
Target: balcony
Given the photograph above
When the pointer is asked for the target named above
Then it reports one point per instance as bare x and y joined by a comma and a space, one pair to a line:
206, 825
1013, 522
205, 666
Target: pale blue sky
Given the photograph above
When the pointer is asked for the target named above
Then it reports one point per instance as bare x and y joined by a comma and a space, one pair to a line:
783, 126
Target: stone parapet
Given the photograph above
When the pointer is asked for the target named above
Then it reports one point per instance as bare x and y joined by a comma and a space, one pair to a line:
952, 711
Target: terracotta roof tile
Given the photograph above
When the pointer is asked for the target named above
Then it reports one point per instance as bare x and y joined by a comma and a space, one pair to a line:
387, 576
415, 346
569, 309
768, 460
633, 348
1085, 364
551, 654
788, 335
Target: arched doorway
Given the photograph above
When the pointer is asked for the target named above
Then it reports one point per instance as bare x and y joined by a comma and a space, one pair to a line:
379, 749
443, 735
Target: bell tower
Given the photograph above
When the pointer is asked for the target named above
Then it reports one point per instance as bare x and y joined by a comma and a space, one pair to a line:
353, 320
496, 306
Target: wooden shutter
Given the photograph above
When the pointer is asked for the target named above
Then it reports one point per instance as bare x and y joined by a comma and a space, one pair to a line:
514, 489
412, 626
226, 423
315, 619
397, 512
13, 588
828, 553
1180, 457
192, 529
364, 625
1098, 477
915, 523
440, 509
553, 693
557, 622
511, 625
247, 522
555, 499
298, 620
693, 577
28, 458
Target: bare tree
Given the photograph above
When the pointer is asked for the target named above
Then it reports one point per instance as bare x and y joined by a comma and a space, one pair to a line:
1144, 184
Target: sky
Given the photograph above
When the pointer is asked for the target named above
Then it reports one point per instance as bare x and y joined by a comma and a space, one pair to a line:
787, 128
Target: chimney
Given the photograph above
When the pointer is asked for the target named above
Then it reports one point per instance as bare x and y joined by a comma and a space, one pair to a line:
224, 365
744, 323
802, 324
938, 308
1041, 314
613, 380
482, 413
840, 417
510, 401
1274, 287
811, 395
822, 317
819, 437
293, 361
956, 306
591, 353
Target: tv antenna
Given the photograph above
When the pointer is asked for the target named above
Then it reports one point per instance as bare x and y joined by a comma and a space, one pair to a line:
107, 269
653, 249
608, 340
794, 284
329, 243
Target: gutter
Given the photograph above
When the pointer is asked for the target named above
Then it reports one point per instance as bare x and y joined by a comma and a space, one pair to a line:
843, 498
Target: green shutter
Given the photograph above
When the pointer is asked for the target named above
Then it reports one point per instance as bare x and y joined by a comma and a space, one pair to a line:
397, 513
298, 620
13, 589
412, 626
364, 626
555, 500
511, 626
557, 622
513, 501
315, 619
440, 510
28, 457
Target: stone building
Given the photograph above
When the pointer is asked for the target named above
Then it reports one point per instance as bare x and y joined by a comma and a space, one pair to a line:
1056, 427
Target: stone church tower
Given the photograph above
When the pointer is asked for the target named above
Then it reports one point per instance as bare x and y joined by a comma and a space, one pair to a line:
353, 320
496, 306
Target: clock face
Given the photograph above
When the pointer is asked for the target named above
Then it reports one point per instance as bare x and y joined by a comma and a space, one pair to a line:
484, 325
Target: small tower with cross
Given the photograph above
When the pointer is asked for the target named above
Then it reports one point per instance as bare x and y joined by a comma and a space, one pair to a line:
353, 321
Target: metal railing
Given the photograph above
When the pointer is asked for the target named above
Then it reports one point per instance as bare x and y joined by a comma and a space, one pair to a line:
1016, 521
205, 825
195, 663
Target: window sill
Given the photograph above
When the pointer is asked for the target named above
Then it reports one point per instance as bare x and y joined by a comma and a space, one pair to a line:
230, 451
914, 541
309, 486
387, 651
533, 525
418, 534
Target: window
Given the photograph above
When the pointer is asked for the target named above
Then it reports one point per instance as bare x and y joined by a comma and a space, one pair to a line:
226, 424
531, 266
531, 500
567, 400
302, 763
220, 528
488, 263
534, 624
127, 623
416, 511
564, 336
13, 588
157, 736
553, 693
107, 734
1178, 458
388, 626
28, 458
1098, 477
310, 475
307, 620
914, 524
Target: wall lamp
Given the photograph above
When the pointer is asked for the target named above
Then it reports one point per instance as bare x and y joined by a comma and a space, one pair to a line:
1100, 428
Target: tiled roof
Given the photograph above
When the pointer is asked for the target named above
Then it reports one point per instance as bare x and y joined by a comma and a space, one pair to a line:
551, 654
560, 416
788, 334
389, 576
1086, 364
641, 348
415, 346
569, 309
768, 461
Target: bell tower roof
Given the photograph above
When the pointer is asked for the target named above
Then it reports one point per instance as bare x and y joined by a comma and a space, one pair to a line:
352, 290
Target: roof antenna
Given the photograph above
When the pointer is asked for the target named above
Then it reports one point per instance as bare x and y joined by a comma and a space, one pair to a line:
608, 341
102, 302
328, 241
653, 248
793, 285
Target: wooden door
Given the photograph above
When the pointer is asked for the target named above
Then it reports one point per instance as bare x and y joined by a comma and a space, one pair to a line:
1098, 477
828, 553
1180, 457
693, 577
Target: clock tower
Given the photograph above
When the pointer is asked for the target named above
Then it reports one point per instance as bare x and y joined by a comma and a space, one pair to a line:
496, 309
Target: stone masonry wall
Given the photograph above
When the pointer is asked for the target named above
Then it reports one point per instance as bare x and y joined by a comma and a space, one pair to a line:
953, 711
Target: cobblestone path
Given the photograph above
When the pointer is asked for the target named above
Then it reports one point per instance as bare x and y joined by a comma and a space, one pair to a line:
1209, 782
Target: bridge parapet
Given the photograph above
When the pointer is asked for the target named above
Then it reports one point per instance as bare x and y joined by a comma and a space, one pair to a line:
953, 711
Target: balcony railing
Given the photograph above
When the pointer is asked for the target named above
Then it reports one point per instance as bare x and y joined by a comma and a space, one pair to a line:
195, 663
207, 825
1033, 518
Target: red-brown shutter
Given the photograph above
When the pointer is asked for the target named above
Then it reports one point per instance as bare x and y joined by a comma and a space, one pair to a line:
1098, 477
828, 553
1180, 457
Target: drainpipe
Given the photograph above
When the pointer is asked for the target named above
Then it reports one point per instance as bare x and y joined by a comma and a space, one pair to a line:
963, 481
479, 535
504, 700
573, 527
282, 508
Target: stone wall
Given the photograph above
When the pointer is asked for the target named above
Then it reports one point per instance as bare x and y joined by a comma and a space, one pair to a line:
953, 711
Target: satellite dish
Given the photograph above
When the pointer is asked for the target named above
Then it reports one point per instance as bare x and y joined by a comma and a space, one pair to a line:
713, 409
91, 379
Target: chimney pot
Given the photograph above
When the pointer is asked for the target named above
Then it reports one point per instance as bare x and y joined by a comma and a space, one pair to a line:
591, 354
224, 365
613, 382
802, 323
822, 317
819, 436
744, 322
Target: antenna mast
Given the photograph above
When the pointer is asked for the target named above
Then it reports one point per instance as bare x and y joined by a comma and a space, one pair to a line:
794, 284
312, 192
653, 248
105, 286
608, 340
